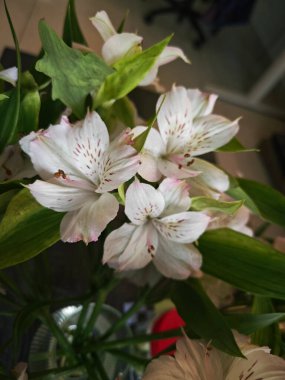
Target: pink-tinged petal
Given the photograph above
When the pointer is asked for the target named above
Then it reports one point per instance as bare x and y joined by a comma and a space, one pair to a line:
130, 247
210, 182
175, 170
87, 223
174, 119
119, 165
279, 243
176, 260
10, 75
202, 103
176, 196
209, 133
149, 168
143, 202
60, 198
185, 227
103, 24
119, 46
258, 365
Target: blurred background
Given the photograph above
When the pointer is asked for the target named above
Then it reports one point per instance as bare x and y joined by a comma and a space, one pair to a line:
236, 48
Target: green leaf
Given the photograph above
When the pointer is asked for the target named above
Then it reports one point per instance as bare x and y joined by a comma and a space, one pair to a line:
74, 74
270, 335
11, 184
201, 316
3, 96
204, 203
244, 262
26, 229
129, 72
10, 108
5, 198
29, 112
249, 323
261, 199
235, 146
71, 29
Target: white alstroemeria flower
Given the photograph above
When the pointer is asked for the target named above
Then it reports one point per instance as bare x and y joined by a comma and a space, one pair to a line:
14, 165
79, 167
195, 360
159, 230
119, 45
10, 75
186, 129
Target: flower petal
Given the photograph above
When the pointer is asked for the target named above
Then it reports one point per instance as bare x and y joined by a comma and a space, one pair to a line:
87, 223
119, 46
103, 24
202, 103
259, 364
130, 247
175, 170
184, 227
10, 75
209, 133
143, 201
210, 182
176, 196
149, 168
120, 165
60, 198
174, 119
176, 260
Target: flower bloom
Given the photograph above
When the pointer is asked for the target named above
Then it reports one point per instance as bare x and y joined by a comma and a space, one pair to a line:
79, 167
10, 75
186, 129
159, 230
197, 361
120, 45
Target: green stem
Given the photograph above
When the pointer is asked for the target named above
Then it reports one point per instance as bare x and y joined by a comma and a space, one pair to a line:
81, 320
48, 319
135, 361
133, 340
99, 367
54, 372
121, 321
44, 85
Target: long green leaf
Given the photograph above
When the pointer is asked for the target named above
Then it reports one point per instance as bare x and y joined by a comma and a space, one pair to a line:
235, 146
129, 72
10, 108
249, 323
244, 262
5, 198
201, 316
26, 229
261, 199
74, 74
204, 203
71, 29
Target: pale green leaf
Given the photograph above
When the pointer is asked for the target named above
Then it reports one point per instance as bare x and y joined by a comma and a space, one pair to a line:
249, 323
204, 203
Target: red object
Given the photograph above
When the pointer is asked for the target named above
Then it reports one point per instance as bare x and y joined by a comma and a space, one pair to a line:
167, 321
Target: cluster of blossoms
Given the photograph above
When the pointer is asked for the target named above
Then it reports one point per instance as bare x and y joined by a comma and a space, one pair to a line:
81, 169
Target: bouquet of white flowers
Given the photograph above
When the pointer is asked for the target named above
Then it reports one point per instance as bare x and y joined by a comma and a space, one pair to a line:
79, 164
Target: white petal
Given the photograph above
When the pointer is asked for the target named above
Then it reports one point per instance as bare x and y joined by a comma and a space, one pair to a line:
176, 260
130, 247
176, 196
103, 24
210, 182
185, 227
169, 54
258, 365
211, 132
202, 103
119, 46
175, 170
149, 168
120, 165
148, 275
174, 119
239, 221
87, 223
60, 198
10, 75
142, 202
